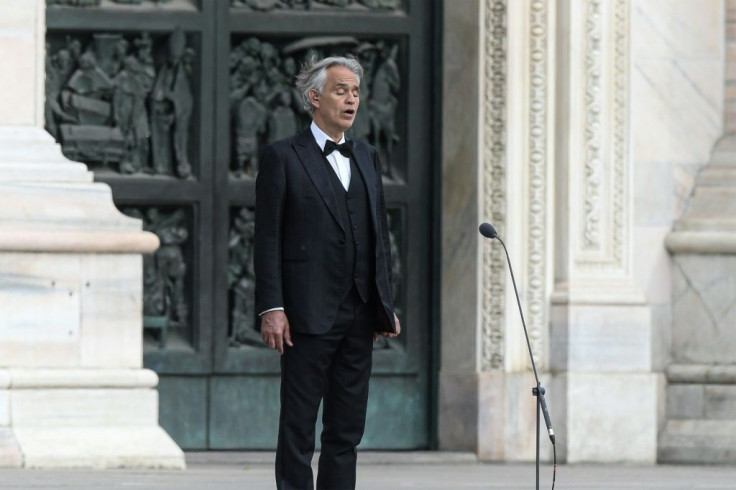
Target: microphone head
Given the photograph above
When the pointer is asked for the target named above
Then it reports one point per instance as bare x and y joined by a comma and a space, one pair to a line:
487, 230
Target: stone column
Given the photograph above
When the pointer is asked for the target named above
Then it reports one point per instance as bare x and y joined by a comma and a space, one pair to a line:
701, 380
72, 389
605, 395
497, 143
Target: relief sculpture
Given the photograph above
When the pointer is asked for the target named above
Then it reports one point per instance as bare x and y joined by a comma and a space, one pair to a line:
165, 305
266, 107
111, 105
353, 5
241, 280
96, 3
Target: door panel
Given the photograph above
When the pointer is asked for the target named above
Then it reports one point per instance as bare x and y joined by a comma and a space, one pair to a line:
170, 103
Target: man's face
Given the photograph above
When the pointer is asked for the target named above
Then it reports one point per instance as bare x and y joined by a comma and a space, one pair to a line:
336, 106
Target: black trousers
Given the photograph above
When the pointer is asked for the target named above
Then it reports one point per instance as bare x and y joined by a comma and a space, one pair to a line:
333, 368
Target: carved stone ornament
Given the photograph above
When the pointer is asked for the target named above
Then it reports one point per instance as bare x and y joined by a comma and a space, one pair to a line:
165, 272
537, 218
494, 183
352, 5
265, 105
114, 106
605, 223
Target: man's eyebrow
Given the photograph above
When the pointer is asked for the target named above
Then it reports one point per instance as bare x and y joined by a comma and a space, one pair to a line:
346, 85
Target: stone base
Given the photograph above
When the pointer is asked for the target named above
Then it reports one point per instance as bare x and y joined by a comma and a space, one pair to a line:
701, 415
492, 414
698, 442
98, 447
92, 418
606, 417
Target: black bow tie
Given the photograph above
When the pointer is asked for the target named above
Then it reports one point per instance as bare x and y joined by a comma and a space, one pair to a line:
346, 148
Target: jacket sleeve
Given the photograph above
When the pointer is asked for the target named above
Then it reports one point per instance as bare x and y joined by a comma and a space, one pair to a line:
383, 219
270, 199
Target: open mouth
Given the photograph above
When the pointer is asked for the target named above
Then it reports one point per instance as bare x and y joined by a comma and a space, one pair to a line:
349, 112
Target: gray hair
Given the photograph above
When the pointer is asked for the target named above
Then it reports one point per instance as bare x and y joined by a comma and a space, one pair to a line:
313, 75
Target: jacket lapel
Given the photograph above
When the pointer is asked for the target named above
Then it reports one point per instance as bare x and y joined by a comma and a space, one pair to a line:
364, 162
316, 167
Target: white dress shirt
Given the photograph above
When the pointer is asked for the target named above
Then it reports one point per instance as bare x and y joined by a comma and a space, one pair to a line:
339, 163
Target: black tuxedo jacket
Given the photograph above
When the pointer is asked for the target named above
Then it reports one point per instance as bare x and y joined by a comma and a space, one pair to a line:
300, 239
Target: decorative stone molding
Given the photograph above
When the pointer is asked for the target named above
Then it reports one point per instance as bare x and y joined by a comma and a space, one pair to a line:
494, 183
602, 241
593, 126
539, 121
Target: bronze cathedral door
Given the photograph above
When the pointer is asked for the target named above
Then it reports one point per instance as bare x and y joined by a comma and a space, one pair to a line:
170, 102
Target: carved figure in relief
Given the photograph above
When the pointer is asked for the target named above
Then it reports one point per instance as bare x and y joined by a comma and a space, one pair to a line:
241, 280
255, 83
266, 5
169, 259
172, 102
129, 106
249, 124
58, 69
73, 3
282, 121
361, 129
383, 105
89, 80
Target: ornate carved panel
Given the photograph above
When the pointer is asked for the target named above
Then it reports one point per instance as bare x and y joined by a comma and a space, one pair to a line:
241, 280
352, 6
494, 183
123, 102
539, 121
167, 276
140, 4
266, 107
604, 74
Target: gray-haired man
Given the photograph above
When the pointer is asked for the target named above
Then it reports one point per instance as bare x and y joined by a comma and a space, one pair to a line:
323, 284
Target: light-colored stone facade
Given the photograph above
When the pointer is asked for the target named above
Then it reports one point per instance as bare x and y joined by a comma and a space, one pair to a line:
578, 128
594, 134
73, 392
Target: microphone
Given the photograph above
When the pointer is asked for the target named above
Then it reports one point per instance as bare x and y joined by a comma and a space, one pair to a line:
488, 231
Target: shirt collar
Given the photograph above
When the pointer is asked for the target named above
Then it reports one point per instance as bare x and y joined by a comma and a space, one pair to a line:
321, 137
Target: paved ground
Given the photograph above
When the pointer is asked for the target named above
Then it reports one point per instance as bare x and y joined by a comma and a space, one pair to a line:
426, 471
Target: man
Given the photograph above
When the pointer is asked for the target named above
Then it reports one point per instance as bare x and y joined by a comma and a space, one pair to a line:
323, 285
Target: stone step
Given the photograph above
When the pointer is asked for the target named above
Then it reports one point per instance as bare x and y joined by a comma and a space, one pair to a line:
701, 401
698, 441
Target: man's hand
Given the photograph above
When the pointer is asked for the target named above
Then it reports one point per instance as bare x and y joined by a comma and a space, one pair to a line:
389, 334
275, 330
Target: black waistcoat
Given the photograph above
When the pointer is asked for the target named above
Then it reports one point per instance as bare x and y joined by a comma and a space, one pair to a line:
354, 211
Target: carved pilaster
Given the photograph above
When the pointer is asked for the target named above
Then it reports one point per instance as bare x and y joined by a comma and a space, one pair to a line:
539, 120
494, 182
600, 192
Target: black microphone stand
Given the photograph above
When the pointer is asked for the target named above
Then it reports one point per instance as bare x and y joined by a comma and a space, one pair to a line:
488, 231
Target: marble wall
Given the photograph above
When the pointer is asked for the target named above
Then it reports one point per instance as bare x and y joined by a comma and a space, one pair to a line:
677, 91
73, 392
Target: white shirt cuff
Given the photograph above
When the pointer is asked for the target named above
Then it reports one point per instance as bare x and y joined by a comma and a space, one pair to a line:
280, 308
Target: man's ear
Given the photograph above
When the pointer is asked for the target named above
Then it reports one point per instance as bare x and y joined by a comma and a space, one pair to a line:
314, 97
